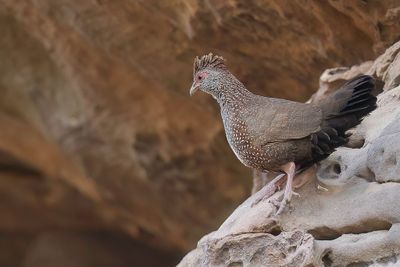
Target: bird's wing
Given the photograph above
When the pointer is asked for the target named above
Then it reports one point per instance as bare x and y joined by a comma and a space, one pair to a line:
277, 120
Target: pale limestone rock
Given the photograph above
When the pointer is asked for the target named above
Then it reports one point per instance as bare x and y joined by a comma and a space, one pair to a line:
384, 153
376, 248
253, 249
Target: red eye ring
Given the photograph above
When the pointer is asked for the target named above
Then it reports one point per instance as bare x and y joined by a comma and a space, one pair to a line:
201, 76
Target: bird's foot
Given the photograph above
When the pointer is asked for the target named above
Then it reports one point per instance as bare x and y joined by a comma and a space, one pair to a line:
287, 197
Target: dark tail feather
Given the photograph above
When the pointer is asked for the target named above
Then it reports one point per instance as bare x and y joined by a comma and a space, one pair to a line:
342, 110
350, 111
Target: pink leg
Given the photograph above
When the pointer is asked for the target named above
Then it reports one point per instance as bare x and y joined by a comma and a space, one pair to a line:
260, 179
268, 190
289, 169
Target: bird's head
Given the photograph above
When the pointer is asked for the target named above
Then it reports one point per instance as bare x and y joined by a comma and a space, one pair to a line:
208, 74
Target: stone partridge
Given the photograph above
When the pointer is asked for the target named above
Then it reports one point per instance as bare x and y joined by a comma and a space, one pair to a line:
270, 134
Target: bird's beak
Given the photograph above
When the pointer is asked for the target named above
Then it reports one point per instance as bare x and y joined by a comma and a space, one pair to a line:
194, 88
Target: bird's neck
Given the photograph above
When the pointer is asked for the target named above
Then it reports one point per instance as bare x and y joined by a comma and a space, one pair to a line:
233, 95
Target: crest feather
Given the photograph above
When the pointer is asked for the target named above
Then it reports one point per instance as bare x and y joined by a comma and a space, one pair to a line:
208, 61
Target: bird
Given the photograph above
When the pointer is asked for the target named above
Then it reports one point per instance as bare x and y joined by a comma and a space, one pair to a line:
279, 135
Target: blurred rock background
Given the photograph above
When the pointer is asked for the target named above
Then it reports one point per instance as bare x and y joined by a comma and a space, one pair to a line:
104, 158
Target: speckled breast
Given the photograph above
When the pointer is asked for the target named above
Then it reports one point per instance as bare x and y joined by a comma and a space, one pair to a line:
241, 144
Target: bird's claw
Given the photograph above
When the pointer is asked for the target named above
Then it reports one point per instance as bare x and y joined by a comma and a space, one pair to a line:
286, 199
275, 202
295, 194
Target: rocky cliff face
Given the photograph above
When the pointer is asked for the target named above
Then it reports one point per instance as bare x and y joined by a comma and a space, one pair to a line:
347, 213
98, 133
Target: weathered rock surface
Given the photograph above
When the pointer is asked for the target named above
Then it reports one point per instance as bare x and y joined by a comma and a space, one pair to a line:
98, 132
347, 214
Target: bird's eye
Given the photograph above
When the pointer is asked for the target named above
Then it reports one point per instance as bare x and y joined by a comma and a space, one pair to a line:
201, 76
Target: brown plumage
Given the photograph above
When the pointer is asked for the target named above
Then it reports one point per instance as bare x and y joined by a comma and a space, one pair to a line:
270, 134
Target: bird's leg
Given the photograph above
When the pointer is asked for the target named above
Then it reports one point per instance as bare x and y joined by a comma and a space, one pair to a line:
260, 179
289, 169
268, 190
